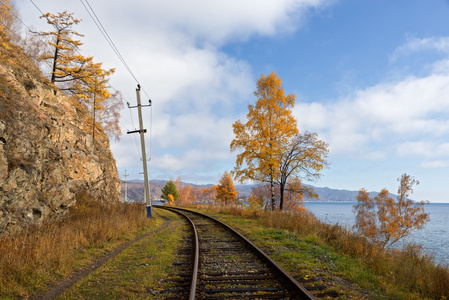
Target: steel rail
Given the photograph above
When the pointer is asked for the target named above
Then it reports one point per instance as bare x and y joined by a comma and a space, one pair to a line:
299, 290
196, 252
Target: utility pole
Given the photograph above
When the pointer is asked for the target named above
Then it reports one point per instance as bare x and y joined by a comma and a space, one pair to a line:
144, 156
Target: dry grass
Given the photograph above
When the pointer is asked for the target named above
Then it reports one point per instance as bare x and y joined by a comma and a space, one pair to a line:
37, 256
410, 269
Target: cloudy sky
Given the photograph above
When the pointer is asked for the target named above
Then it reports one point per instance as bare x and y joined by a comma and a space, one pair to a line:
370, 77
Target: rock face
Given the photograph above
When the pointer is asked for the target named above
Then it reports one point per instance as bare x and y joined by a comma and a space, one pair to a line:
47, 153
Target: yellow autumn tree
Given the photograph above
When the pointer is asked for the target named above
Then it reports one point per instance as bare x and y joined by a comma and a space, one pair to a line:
226, 193
384, 220
259, 197
79, 76
92, 90
67, 63
270, 124
9, 20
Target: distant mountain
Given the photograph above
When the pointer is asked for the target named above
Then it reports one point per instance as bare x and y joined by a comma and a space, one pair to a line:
325, 194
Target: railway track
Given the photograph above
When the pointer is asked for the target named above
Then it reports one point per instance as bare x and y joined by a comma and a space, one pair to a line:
225, 265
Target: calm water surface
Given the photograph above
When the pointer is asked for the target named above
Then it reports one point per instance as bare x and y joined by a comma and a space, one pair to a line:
434, 237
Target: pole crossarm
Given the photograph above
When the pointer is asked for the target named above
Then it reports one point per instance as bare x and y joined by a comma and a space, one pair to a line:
135, 131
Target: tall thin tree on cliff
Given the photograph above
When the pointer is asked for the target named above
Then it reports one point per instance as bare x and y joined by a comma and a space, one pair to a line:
67, 63
264, 136
79, 76
92, 90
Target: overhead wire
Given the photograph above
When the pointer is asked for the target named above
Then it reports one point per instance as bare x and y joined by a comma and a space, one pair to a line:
20, 20
76, 50
37, 7
111, 43
105, 34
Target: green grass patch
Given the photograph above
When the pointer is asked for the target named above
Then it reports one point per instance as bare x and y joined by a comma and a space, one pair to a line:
39, 256
137, 272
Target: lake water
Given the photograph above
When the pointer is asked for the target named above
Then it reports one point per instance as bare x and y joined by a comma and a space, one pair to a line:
434, 237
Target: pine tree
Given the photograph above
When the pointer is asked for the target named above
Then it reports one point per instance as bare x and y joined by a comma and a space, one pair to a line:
169, 189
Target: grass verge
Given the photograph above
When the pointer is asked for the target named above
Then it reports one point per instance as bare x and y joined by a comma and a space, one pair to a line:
137, 272
346, 264
39, 256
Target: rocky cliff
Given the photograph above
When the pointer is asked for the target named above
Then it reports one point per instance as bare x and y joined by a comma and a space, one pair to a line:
47, 153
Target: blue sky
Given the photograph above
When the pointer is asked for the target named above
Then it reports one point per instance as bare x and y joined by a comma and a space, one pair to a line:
370, 77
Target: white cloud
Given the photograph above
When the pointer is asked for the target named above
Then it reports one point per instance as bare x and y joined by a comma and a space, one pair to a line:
387, 113
219, 21
435, 164
414, 44
423, 149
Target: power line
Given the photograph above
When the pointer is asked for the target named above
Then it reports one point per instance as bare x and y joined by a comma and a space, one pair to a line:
105, 34
75, 48
103, 31
20, 20
37, 7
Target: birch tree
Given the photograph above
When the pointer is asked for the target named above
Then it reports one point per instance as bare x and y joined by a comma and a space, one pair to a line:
270, 124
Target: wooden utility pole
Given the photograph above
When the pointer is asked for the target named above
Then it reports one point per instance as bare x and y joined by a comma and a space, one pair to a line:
144, 156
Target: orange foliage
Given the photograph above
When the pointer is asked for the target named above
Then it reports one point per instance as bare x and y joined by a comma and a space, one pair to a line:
294, 195
189, 194
205, 195
263, 137
171, 199
384, 220
226, 193
79, 76
9, 23
186, 195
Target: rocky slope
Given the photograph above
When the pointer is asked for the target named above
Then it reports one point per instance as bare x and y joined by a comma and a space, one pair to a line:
47, 154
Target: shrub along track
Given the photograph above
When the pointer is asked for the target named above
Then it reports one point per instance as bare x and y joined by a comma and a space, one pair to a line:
232, 267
